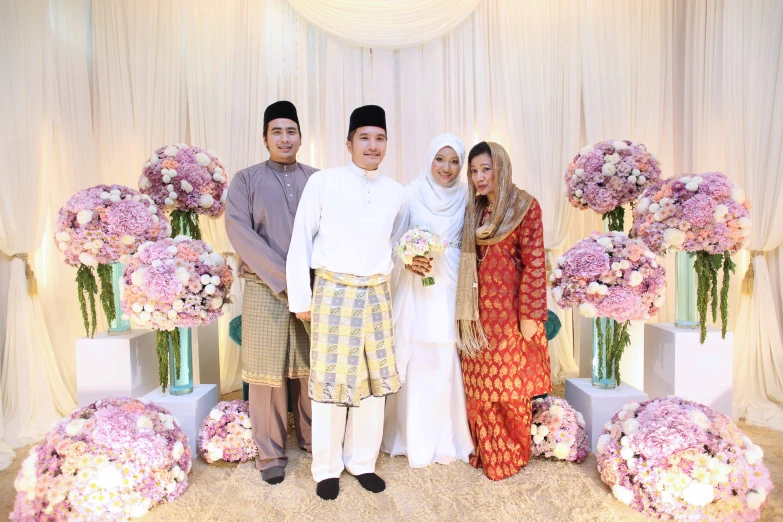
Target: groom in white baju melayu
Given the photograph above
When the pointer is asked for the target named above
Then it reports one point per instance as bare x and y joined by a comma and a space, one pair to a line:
427, 419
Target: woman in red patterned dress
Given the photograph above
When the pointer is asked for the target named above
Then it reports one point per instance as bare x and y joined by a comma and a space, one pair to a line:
501, 309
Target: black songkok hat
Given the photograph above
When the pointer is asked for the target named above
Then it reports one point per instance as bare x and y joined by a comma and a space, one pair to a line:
280, 109
367, 116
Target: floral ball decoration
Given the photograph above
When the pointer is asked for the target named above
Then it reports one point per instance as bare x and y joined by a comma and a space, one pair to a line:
670, 458
226, 435
605, 176
706, 215
174, 283
558, 431
610, 275
94, 228
186, 181
112, 460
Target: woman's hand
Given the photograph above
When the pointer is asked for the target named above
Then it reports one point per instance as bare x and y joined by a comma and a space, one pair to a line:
420, 266
528, 328
303, 316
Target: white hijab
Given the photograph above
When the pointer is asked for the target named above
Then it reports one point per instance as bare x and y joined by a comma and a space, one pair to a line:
441, 201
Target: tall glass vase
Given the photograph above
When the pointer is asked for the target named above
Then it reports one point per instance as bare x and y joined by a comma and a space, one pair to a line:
183, 384
118, 326
603, 374
686, 313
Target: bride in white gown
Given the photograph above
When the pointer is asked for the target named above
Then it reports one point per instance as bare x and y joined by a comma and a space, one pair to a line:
427, 420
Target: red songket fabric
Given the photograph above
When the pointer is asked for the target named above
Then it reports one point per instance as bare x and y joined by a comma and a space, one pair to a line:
502, 378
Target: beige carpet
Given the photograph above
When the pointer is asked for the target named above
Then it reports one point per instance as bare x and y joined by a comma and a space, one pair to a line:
544, 491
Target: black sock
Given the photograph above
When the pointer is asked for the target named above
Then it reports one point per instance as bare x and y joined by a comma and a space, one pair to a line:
328, 489
371, 482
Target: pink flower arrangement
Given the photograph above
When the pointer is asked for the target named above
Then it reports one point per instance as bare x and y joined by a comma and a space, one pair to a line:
97, 226
112, 460
558, 431
605, 176
179, 282
186, 181
670, 458
610, 275
226, 434
703, 213
706, 215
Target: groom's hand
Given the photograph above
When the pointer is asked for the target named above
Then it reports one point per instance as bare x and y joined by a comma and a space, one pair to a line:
303, 316
420, 266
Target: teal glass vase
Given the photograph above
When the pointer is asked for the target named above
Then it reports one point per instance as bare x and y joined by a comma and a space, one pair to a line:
118, 326
603, 373
686, 313
182, 384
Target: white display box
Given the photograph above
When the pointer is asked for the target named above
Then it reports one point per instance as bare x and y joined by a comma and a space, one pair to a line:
190, 410
597, 406
676, 363
116, 365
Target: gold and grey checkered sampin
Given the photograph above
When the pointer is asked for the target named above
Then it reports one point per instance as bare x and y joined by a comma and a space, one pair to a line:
352, 350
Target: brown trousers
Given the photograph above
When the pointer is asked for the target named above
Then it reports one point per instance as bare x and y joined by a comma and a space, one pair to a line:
269, 419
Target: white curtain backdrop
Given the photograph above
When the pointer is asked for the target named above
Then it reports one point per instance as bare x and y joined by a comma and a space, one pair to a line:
753, 127
32, 390
402, 23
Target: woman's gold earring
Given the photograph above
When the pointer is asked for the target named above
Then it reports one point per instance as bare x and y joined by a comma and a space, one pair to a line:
478, 193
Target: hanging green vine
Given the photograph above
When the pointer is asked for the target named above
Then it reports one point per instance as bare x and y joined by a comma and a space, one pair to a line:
86, 288
164, 339
709, 296
185, 222
728, 268
613, 337
615, 219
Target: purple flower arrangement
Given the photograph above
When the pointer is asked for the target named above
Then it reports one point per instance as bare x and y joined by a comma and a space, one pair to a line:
173, 283
704, 214
226, 434
613, 276
558, 431
112, 460
605, 176
670, 458
186, 181
94, 228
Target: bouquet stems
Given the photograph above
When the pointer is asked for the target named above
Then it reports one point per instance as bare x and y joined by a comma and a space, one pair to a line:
87, 289
427, 281
613, 337
708, 295
162, 347
615, 219
185, 222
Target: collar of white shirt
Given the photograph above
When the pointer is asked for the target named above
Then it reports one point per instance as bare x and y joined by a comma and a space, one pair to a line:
362, 173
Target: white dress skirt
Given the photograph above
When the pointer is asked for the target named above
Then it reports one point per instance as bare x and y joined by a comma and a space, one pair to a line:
427, 420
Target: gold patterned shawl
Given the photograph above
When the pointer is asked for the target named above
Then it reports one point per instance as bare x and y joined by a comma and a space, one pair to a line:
510, 210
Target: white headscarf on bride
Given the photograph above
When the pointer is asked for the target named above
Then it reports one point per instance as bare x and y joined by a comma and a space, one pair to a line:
442, 201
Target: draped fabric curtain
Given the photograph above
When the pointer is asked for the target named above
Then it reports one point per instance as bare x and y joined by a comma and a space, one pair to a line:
753, 130
402, 23
33, 392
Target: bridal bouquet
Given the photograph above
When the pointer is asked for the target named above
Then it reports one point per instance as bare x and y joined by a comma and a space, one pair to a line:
558, 431
613, 276
605, 176
188, 181
706, 215
673, 458
174, 283
226, 434
112, 460
94, 228
420, 242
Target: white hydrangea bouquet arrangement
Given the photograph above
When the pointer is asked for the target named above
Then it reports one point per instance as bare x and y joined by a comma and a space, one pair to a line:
420, 242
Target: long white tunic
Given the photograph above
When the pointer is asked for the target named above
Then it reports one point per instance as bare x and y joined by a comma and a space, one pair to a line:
347, 222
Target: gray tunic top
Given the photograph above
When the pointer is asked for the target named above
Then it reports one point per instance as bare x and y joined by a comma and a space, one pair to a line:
260, 211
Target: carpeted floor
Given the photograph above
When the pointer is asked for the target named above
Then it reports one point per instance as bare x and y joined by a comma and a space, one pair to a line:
544, 491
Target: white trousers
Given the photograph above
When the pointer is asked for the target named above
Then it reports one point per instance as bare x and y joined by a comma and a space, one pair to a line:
350, 443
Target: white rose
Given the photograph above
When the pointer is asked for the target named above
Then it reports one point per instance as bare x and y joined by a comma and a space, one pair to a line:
619, 145
632, 179
178, 305
578, 193
557, 293
615, 266
636, 279
744, 222
625, 264
171, 150
166, 178
182, 275
561, 261
579, 172
137, 307
631, 426
700, 419
587, 310
737, 194
643, 205
172, 173
538, 439
206, 201
756, 497
759, 452
215, 414
558, 273
177, 450
202, 159
561, 450
62, 245
210, 289
217, 177
609, 169
622, 494
88, 259
623, 414
187, 187
75, 427
216, 303
603, 290
698, 494
543, 430
173, 195
614, 158
157, 263
171, 314
152, 209
659, 300
641, 180
674, 237
205, 279
685, 179
585, 150
63, 236
247, 434
751, 456
626, 453
145, 316
534, 429
654, 207
698, 179
692, 186
580, 420
593, 287
84, 217
143, 423
168, 202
